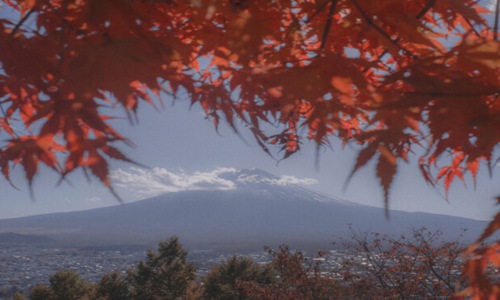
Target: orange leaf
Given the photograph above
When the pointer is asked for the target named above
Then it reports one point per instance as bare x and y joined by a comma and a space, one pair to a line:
386, 169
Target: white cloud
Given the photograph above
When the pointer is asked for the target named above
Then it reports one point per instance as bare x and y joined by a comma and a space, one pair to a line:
159, 180
156, 181
282, 181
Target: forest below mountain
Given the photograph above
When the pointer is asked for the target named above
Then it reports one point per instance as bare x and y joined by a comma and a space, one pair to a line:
419, 266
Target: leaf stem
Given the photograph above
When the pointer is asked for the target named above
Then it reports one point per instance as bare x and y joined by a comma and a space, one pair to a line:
328, 23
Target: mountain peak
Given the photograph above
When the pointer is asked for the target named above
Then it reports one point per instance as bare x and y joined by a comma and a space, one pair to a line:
253, 177
266, 209
256, 172
236, 174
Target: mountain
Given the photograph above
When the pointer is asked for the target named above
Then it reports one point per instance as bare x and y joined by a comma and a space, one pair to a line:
10, 238
260, 210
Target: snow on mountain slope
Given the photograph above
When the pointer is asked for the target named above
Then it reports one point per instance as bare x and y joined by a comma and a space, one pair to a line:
261, 209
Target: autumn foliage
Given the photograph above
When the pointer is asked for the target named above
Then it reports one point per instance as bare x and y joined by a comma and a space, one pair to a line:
370, 266
403, 79
420, 265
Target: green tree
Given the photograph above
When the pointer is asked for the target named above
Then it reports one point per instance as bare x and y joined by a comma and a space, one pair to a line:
41, 292
63, 285
112, 287
19, 296
224, 281
68, 285
165, 275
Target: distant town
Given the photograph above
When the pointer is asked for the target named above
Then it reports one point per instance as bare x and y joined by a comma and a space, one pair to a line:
23, 267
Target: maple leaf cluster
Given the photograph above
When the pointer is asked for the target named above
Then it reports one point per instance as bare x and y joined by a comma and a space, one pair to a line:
400, 78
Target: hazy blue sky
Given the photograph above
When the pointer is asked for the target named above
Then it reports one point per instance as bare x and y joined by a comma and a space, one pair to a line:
184, 152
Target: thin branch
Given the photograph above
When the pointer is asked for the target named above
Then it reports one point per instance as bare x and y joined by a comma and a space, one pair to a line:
6, 120
62, 36
497, 16
380, 30
317, 11
427, 7
432, 264
472, 27
21, 22
328, 23
420, 15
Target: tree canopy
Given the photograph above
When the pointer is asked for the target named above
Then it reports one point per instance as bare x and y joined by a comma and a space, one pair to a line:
164, 275
368, 266
64, 285
227, 280
403, 79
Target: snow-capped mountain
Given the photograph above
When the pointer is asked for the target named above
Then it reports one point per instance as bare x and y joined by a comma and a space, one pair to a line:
261, 209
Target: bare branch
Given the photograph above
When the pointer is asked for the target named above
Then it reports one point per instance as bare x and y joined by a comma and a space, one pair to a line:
317, 11
427, 7
328, 23
21, 22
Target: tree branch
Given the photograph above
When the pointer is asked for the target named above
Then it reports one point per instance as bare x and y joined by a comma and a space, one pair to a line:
328, 23
427, 7
420, 15
21, 22
6, 120
381, 31
497, 16
317, 11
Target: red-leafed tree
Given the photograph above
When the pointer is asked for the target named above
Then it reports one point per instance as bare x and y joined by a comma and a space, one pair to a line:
371, 266
418, 266
392, 76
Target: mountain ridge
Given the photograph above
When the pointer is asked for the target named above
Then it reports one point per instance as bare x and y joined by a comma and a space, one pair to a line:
262, 212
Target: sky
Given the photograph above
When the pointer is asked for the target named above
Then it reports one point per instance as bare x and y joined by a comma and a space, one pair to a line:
182, 151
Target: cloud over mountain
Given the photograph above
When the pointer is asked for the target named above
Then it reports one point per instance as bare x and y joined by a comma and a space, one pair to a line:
157, 181
227, 208
282, 181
